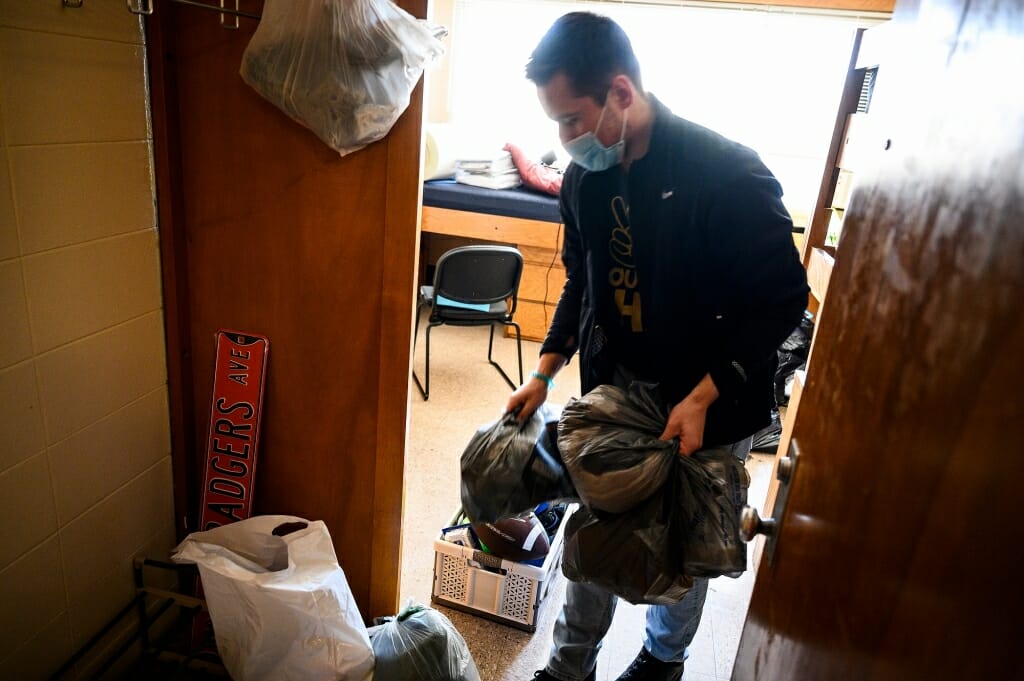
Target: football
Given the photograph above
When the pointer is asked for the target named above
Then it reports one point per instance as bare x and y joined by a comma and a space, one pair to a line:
518, 538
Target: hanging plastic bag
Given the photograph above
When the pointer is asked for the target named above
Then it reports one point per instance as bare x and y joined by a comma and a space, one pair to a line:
508, 467
609, 443
280, 605
420, 644
342, 68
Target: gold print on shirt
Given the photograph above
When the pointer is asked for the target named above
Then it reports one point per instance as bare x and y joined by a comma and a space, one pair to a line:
622, 276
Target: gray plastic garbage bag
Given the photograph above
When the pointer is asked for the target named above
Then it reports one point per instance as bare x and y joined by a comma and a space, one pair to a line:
508, 468
687, 523
420, 644
635, 555
709, 515
609, 443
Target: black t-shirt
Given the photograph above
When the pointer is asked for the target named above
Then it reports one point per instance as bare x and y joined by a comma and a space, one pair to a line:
616, 246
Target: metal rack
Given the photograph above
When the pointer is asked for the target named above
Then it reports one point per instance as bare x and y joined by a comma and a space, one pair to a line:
229, 16
150, 604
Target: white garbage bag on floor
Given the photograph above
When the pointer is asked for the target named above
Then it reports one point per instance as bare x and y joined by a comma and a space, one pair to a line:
281, 607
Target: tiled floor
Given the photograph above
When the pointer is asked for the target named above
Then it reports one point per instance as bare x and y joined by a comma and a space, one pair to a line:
465, 394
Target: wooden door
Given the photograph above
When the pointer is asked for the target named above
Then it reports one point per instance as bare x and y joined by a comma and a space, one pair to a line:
898, 555
267, 230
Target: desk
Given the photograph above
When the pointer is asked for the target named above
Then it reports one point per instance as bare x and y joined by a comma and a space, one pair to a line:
540, 242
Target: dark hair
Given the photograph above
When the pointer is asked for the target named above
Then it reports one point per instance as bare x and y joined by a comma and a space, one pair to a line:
589, 49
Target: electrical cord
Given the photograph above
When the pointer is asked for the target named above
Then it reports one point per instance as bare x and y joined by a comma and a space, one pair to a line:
547, 276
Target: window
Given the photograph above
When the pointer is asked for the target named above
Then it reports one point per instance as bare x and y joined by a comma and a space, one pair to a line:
767, 78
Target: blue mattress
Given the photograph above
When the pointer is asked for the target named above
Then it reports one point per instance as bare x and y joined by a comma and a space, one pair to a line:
516, 203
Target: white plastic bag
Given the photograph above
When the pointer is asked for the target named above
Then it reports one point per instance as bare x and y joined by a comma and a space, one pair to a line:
281, 607
342, 68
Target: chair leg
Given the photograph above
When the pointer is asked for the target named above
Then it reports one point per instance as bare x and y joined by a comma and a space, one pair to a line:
490, 346
519, 349
416, 327
424, 390
426, 365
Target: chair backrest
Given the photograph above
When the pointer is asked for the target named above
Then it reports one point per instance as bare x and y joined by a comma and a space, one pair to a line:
479, 274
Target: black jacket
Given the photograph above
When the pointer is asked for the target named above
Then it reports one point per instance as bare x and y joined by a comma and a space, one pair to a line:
695, 244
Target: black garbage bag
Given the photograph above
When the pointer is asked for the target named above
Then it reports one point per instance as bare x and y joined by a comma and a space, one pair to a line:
792, 356
636, 555
609, 443
687, 527
508, 467
420, 644
767, 439
712, 492
789, 363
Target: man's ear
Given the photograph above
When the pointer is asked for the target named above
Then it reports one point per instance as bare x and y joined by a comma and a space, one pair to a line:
622, 91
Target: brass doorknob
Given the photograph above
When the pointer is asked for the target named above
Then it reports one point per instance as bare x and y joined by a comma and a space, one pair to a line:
785, 469
751, 524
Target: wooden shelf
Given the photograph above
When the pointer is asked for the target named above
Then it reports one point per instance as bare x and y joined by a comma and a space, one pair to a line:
819, 269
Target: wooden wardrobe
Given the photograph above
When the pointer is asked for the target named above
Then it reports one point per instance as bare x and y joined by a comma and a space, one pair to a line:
264, 229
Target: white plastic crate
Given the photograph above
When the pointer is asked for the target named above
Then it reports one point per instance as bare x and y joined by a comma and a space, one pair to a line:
502, 590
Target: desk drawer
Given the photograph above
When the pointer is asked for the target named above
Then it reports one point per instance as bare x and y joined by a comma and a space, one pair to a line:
545, 257
533, 319
541, 284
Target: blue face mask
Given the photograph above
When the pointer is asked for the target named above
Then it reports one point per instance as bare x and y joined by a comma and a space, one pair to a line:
587, 151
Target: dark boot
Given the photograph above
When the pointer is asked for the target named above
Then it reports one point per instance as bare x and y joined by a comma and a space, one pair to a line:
542, 675
646, 667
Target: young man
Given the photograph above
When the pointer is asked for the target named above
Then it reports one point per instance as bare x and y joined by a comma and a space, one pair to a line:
680, 270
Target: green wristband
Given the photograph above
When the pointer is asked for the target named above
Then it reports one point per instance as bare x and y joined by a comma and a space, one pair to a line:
544, 377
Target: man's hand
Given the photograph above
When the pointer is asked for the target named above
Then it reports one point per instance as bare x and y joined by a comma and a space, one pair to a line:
686, 421
527, 398
530, 395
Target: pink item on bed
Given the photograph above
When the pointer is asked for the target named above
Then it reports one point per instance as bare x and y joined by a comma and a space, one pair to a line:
535, 175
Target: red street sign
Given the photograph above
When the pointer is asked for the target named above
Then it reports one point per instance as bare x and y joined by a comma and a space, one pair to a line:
239, 374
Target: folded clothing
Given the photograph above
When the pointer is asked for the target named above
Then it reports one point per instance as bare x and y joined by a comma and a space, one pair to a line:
496, 171
499, 162
503, 181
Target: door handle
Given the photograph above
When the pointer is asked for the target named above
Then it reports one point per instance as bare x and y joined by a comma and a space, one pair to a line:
752, 524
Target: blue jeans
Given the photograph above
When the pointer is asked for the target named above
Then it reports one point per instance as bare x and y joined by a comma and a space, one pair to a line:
587, 614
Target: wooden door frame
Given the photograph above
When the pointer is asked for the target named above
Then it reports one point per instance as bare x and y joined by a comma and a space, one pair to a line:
398, 285
174, 266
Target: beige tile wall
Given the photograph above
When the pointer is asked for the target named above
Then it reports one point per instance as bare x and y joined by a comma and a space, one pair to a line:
85, 472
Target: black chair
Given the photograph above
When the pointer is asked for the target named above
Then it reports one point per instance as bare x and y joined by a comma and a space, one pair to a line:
473, 286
